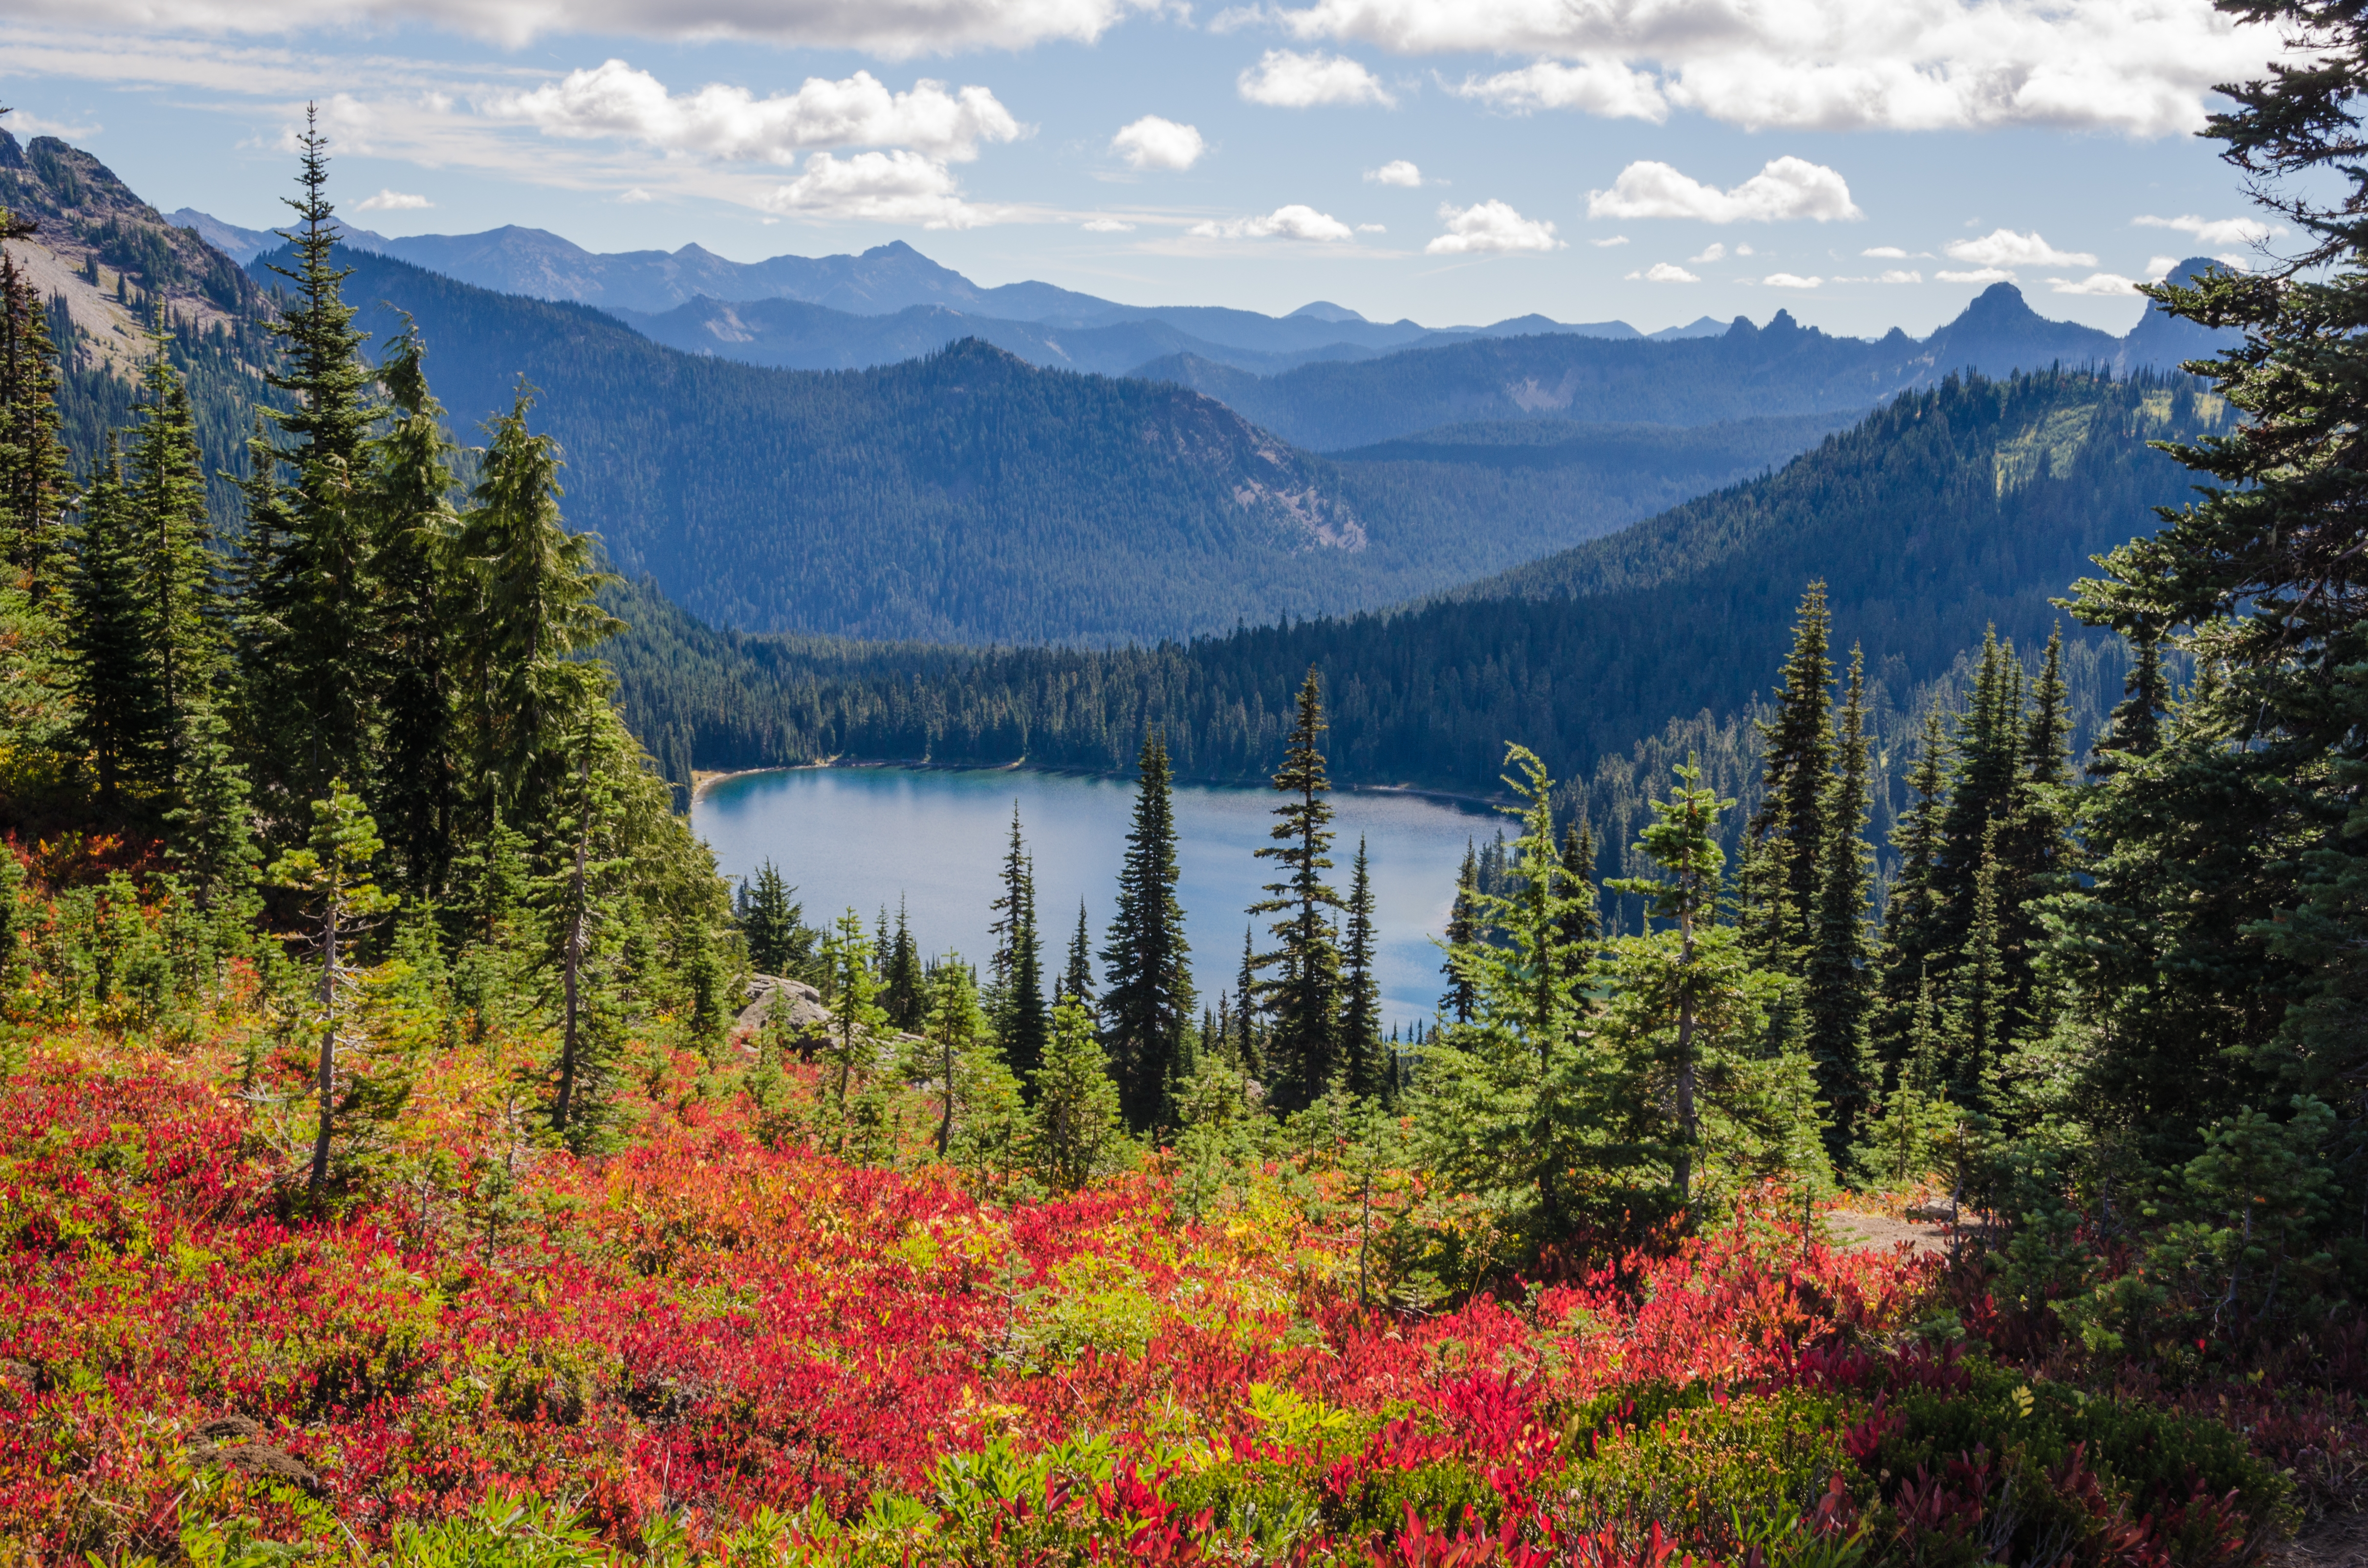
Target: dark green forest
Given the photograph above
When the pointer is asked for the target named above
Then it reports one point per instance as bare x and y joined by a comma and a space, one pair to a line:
1950, 512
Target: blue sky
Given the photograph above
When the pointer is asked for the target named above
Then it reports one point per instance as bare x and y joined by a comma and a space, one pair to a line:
1454, 161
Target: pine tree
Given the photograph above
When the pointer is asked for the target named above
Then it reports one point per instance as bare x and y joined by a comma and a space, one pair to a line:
211, 835
1839, 997
904, 992
109, 630
2136, 728
1077, 1130
574, 900
1583, 926
1019, 1014
1248, 1042
1303, 998
1983, 993
164, 490
771, 922
332, 873
1984, 785
1149, 1003
1360, 1011
857, 1018
1788, 832
36, 486
413, 534
531, 611
1683, 842
1462, 932
1915, 933
1078, 979
311, 654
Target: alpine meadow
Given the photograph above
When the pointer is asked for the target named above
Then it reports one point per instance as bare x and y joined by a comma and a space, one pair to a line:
1897, 1094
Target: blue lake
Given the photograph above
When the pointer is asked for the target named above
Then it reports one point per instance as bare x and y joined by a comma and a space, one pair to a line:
862, 837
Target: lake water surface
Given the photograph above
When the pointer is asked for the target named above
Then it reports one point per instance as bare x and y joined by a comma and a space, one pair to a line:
935, 838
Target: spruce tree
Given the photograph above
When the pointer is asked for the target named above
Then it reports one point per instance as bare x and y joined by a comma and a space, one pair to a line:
1787, 832
904, 992
1462, 932
110, 633
1147, 1006
1076, 1131
311, 653
1077, 978
164, 490
412, 533
1839, 997
1360, 1010
1914, 931
532, 610
36, 484
857, 1017
1250, 1041
770, 923
2135, 729
1305, 1049
1019, 1013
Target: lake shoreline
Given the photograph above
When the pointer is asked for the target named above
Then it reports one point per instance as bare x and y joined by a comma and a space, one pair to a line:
701, 779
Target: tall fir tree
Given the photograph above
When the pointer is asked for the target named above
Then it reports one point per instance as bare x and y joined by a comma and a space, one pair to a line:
1582, 929
1303, 997
1148, 1002
1022, 1022
1914, 931
413, 528
165, 489
311, 653
1840, 993
1787, 834
904, 991
1360, 1007
1463, 930
114, 668
770, 923
36, 480
1077, 977
2135, 728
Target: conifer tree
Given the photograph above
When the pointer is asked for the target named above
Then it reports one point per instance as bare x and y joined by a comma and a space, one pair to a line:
1019, 1013
1305, 1049
1915, 933
1077, 1130
1583, 926
1983, 994
855, 1016
311, 653
770, 923
1462, 932
1683, 842
954, 1028
904, 992
108, 626
413, 532
1147, 1006
36, 484
2135, 727
532, 610
1840, 992
332, 873
1077, 978
164, 492
1985, 785
575, 899
1787, 832
1249, 1041
212, 834
1360, 1011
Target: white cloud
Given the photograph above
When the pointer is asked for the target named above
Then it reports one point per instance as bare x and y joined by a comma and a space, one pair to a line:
897, 186
2138, 67
633, 194
1885, 253
1607, 245
1894, 275
1287, 79
2095, 283
1664, 272
1979, 274
1490, 226
27, 125
734, 125
2158, 268
1792, 281
1152, 143
2004, 247
1372, 228
1603, 88
1297, 221
1786, 188
1715, 253
391, 202
1398, 171
1107, 226
2215, 230
893, 31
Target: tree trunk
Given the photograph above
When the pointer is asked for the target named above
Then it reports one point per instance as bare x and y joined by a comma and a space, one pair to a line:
328, 1066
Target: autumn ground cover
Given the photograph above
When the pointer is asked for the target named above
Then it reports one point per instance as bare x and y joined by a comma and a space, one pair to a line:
706, 1343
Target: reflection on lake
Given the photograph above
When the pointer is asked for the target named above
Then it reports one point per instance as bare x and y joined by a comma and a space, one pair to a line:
868, 836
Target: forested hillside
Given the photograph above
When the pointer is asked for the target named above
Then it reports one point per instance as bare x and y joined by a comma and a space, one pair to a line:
1950, 511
